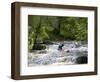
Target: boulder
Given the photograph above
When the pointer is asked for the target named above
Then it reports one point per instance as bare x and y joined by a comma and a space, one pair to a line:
82, 60
39, 47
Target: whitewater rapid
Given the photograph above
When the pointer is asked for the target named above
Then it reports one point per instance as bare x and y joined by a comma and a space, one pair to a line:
52, 56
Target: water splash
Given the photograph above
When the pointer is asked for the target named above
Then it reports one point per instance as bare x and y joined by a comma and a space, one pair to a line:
52, 56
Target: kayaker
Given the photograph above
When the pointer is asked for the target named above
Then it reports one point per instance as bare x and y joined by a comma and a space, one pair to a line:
60, 46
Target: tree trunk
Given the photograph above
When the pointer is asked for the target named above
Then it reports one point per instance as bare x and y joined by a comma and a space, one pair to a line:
37, 32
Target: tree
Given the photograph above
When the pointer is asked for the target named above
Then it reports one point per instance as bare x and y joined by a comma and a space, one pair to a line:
55, 28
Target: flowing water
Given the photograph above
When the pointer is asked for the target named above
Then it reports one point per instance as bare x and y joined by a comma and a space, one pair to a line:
52, 56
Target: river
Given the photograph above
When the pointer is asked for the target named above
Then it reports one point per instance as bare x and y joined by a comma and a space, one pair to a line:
68, 55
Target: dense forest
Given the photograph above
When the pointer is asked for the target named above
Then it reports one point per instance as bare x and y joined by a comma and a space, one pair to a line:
45, 29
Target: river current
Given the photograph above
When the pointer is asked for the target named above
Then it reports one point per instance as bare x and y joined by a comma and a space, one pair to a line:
52, 56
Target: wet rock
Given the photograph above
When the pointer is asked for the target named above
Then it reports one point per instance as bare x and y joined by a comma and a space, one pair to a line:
67, 51
39, 47
82, 60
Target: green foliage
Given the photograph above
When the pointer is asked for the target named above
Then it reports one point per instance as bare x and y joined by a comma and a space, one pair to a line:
41, 28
